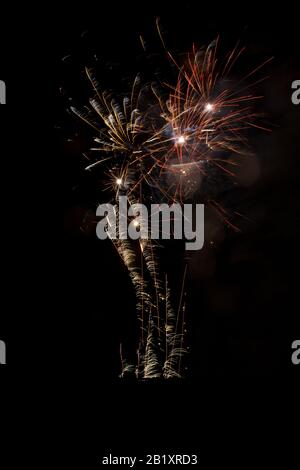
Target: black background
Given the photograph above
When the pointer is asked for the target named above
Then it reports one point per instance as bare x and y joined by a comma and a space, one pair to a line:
244, 316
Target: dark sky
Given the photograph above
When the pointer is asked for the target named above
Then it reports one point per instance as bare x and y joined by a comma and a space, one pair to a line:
244, 293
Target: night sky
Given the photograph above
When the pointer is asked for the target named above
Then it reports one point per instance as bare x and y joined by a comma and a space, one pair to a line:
243, 289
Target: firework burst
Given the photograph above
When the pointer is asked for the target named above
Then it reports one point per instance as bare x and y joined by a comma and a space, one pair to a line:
160, 146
